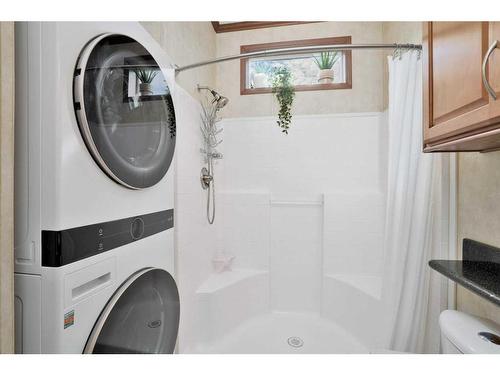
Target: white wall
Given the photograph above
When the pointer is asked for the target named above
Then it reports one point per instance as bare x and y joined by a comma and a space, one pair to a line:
305, 205
195, 238
295, 270
322, 153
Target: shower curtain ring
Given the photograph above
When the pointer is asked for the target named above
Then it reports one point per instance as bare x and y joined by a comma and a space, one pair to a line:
397, 52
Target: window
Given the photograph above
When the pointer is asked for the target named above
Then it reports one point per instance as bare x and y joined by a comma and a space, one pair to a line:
157, 85
256, 73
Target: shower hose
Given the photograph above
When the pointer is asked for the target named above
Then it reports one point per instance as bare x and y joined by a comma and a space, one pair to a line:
211, 193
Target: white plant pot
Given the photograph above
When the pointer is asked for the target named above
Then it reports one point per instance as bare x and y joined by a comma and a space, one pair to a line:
145, 89
325, 76
260, 80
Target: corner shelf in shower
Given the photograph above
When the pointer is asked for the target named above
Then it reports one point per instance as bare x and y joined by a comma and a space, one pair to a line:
371, 285
218, 281
479, 271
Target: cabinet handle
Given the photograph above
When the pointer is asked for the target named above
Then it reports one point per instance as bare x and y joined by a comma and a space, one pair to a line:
485, 63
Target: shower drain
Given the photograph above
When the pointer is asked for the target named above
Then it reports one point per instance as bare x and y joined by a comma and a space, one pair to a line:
295, 342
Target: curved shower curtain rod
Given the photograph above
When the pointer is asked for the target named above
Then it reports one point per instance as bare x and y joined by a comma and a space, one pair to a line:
300, 50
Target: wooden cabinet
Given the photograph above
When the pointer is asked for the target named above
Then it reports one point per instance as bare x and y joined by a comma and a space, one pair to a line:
459, 113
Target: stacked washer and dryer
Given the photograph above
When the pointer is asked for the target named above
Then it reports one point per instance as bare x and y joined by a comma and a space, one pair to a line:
95, 139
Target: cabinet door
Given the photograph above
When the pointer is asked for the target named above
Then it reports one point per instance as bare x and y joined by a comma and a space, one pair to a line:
455, 100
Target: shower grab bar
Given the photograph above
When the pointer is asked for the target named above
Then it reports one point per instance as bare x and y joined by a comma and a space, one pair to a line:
299, 50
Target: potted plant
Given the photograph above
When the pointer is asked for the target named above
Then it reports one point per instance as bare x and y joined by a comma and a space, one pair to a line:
325, 63
145, 77
284, 92
261, 70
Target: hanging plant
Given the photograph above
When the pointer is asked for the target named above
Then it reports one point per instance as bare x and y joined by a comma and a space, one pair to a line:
284, 92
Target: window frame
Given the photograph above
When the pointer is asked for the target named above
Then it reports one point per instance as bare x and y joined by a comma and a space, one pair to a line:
251, 25
244, 90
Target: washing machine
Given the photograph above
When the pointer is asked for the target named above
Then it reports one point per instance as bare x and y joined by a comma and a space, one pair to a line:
94, 203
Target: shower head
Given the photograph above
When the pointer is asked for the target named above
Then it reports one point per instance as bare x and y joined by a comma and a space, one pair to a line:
219, 100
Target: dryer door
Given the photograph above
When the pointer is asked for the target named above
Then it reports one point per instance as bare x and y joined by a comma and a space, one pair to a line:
125, 110
142, 317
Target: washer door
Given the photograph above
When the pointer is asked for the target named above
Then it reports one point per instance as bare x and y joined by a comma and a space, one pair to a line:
125, 110
142, 317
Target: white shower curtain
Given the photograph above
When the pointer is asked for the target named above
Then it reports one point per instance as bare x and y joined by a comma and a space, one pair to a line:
416, 217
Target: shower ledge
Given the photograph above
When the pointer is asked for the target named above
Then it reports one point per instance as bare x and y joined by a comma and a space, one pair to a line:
368, 284
218, 281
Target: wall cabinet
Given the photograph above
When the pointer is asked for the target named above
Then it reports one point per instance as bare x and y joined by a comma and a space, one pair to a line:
460, 114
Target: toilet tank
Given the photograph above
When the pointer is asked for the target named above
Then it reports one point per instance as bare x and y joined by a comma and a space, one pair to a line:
468, 334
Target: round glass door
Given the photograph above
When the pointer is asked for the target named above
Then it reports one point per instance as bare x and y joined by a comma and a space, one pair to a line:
142, 317
125, 110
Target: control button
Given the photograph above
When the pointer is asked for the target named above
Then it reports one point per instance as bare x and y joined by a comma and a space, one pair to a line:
137, 228
100, 231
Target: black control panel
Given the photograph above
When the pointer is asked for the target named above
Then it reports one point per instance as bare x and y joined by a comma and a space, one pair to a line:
70, 245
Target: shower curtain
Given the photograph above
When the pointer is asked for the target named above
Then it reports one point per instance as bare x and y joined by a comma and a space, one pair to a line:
416, 217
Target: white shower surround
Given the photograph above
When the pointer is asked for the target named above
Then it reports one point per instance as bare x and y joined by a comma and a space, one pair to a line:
303, 216
264, 177
194, 237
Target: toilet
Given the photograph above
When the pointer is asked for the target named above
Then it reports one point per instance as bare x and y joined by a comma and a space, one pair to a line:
462, 333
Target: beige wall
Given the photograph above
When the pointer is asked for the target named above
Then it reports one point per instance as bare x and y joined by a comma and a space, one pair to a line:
185, 43
365, 95
478, 217
7, 187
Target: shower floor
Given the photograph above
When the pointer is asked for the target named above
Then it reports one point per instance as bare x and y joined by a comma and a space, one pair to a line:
286, 333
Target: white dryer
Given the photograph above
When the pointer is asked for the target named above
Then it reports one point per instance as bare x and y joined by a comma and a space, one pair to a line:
95, 139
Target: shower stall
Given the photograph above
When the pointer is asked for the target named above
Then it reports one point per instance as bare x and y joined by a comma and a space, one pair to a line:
301, 220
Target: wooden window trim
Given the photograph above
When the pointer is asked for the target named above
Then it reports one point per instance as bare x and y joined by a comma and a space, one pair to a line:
297, 43
250, 25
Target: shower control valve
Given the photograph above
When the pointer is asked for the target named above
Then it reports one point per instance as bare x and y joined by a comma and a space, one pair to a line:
206, 178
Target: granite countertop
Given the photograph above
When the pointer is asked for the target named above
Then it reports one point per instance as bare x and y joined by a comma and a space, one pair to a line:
482, 278
479, 271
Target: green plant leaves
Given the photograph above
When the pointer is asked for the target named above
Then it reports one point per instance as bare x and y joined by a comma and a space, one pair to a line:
146, 75
284, 93
327, 60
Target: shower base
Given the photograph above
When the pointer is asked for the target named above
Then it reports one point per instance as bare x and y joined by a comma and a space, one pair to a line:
285, 333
